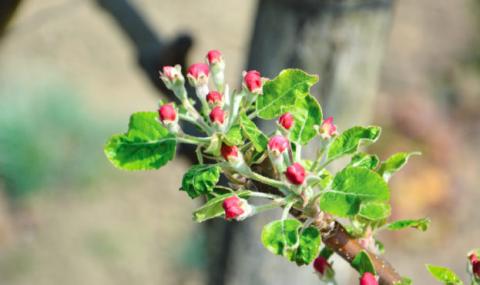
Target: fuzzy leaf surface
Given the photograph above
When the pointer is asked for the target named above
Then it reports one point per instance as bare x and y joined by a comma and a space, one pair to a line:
281, 93
147, 144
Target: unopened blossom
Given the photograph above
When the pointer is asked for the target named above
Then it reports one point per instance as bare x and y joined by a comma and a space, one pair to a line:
327, 130
295, 174
253, 81
286, 121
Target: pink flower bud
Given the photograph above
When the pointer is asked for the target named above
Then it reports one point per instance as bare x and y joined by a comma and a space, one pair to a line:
236, 208
214, 98
197, 74
214, 56
230, 153
217, 115
321, 265
476, 268
328, 129
172, 75
368, 279
232, 207
286, 121
278, 144
295, 174
253, 81
167, 113
473, 257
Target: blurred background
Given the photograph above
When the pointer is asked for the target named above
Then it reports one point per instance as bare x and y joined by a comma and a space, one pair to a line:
72, 71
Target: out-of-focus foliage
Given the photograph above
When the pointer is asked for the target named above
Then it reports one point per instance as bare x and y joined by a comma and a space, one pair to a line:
46, 138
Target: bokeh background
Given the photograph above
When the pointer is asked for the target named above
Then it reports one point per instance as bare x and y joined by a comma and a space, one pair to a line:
70, 77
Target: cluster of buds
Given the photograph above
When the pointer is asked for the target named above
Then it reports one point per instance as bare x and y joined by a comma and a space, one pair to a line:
368, 279
475, 265
236, 208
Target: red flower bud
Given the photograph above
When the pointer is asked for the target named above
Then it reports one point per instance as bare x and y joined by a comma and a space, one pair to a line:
295, 173
217, 115
233, 207
321, 265
476, 268
197, 73
167, 113
278, 144
368, 279
328, 129
214, 97
229, 152
214, 56
253, 81
286, 120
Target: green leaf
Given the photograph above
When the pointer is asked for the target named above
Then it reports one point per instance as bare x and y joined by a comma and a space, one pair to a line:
420, 224
309, 246
444, 275
325, 178
200, 179
213, 208
351, 188
349, 141
307, 114
281, 93
234, 136
146, 145
258, 139
281, 237
362, 263
394, 163
361, 159
375, 211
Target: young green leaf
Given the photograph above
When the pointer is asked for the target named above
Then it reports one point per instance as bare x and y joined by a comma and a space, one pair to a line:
307, 113
234, 136
349, 141
445, 275
281, 237
362, 263
281, 93
250, 130
147, 144
351, 188
420, 224
375, 211
200, 179
213, 208
361, 159
394, 163
309, 246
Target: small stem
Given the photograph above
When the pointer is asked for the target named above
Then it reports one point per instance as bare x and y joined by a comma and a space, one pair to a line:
265, 180
198, 152
192, 121
286, 210
266, 207
264, 195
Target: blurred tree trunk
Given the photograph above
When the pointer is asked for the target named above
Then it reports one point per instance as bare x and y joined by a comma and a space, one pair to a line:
7, 9
343, 42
